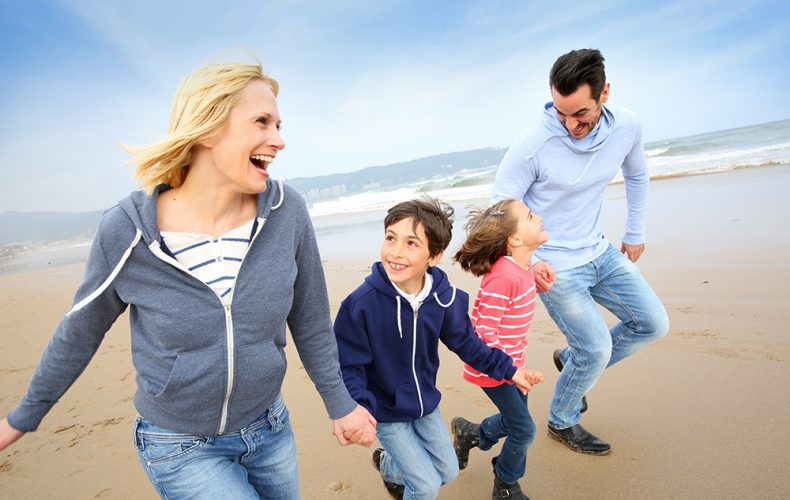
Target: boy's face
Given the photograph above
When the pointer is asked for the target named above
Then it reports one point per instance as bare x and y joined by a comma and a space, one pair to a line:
405, 255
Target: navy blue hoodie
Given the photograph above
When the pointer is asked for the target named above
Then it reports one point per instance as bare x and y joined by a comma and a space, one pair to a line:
389, 353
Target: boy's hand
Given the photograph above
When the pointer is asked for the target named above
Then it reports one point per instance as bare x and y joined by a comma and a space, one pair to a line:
544, 276
526, 379
534, 376
358, 427
520, 379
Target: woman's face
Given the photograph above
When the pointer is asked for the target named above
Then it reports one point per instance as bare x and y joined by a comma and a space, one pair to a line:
247, 145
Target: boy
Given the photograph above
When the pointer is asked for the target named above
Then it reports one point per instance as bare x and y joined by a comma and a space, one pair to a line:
388, 333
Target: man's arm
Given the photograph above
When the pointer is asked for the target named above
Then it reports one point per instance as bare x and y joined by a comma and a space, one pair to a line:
516, 173
637, 180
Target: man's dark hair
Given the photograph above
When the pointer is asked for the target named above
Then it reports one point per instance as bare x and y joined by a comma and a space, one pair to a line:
577, 67
435, 216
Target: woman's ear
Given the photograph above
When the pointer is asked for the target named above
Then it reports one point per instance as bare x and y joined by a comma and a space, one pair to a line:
514, 241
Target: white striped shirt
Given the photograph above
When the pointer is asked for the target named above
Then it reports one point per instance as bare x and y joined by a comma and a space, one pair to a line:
215, 261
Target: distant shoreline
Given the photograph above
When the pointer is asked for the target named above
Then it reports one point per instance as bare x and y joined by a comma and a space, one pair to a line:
333, 231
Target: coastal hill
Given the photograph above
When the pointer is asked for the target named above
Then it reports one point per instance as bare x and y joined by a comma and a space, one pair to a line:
31, 228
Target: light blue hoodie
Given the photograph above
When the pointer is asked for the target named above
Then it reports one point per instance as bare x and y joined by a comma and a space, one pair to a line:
563, 179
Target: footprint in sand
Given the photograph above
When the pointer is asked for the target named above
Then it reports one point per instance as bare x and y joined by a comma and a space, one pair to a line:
338, 486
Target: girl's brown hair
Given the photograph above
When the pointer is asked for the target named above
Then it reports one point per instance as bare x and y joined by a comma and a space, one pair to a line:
487, 232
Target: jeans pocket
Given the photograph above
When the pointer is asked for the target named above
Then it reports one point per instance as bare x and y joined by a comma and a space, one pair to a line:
278, 416
165, 451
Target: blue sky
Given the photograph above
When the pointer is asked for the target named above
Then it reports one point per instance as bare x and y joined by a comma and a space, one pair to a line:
363, 82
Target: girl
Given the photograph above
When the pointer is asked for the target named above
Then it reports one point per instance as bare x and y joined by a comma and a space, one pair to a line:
499, 246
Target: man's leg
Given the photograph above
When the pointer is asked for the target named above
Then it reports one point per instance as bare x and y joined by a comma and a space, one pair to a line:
622, 290
573, 309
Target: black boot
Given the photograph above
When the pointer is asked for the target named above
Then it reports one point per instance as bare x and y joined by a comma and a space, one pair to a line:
395, 490
506, 490
579, 439
559, 365
466, 436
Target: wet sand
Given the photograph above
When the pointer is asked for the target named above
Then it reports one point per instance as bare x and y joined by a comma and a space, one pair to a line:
701, 414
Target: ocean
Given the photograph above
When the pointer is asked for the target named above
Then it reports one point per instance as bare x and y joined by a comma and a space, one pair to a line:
351, 226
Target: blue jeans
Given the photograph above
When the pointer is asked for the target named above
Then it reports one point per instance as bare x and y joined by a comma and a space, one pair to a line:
614, 282
259, 461
418, 455
515, 424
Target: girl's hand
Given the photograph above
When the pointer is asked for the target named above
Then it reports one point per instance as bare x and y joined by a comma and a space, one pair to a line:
521, 381
544, 276
534, 376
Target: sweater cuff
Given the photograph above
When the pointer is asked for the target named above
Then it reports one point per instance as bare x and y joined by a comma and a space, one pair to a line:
338, 402
26, 417
510, 372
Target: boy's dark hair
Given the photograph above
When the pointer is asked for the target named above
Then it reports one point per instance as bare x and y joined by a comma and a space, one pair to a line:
435, 216
487, 233
577, 67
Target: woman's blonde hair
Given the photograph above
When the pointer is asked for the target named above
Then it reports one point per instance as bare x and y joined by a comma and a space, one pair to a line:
200, 109
487, 233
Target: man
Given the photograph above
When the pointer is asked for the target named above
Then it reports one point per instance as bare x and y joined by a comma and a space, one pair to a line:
560, 168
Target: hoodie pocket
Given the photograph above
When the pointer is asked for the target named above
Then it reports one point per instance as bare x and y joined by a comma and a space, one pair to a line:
406, 399
260, 369
196, 383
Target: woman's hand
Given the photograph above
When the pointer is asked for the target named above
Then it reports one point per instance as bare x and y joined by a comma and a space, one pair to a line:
8, 435
358, 427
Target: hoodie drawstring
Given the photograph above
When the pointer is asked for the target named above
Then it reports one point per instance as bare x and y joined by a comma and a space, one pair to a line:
87, 300
400, 329
452, 299
282, 195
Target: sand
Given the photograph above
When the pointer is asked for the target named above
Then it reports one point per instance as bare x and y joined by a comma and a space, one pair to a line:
704, 413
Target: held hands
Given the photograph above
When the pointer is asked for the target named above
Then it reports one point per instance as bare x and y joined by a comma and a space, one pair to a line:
525, 379
8, 434
358, 427
632, 251
544, 276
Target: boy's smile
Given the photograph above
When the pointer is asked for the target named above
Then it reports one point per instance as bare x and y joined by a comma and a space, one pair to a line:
405, 255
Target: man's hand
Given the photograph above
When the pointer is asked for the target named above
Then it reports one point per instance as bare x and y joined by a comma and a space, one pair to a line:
632, 251
544, 276
8, 435
358, 427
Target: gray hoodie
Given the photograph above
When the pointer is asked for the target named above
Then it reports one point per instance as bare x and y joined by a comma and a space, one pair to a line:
202, 368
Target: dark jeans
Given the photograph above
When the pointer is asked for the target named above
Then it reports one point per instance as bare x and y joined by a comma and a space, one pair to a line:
514, 423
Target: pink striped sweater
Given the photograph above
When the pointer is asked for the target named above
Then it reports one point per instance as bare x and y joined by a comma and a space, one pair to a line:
502, 313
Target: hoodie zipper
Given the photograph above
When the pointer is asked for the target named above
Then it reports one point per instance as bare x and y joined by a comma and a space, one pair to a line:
414, 358
156, 249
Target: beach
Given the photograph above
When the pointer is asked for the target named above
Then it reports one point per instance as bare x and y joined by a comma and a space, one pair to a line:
702, 414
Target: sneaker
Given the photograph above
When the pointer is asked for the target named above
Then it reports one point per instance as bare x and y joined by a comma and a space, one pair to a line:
506, 490
395, 490
578, 439
466, 436
559, 365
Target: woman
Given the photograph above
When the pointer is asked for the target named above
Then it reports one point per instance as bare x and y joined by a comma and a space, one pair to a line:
214, 259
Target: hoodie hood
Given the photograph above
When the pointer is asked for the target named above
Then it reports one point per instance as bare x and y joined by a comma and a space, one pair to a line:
141, 207
591, 142
441, 284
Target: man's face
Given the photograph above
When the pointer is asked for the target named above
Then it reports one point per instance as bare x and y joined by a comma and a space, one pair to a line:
579, 112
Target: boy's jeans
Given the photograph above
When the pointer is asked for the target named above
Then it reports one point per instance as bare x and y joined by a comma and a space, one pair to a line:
418, 455
614, 282
259, 461
514, 423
